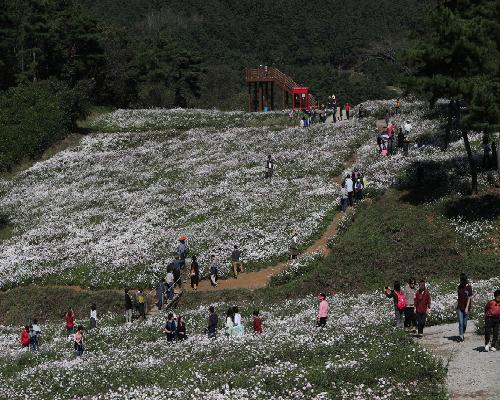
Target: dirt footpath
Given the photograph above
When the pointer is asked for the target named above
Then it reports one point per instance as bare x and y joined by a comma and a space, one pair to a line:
472, 373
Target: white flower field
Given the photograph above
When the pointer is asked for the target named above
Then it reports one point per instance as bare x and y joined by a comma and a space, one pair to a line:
108, 211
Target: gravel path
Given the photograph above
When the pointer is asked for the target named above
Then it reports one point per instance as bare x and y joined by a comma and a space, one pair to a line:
472, 373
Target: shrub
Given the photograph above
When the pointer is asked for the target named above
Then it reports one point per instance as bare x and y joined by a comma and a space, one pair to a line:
33, 116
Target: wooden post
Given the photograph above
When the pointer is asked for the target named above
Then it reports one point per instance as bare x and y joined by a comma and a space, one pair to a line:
249, 98
272, 96
261, 95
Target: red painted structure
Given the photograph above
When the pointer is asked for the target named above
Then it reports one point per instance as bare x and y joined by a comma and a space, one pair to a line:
261, 90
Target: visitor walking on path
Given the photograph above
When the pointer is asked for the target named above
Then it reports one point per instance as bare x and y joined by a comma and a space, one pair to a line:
407, 128
214, 270
236, 262
347, 110
213, 322
492, 322
323, 310
70, 321
257, 323
141, 303
464, 301
397, 107
422, 306
344, 198
78, 341
339, 112
195, 273
294, 247
160, 293
409, 292
399, 303
93, 316
182, 250
358, 190
129, 306
25, 337
170, 283
350, 189
176, 268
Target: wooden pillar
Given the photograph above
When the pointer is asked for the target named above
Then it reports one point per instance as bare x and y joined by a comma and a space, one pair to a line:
255, 104
261, 96
272, 96
249, 97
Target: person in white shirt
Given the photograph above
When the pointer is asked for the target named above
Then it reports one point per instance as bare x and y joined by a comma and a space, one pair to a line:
93, 316
230, 322
238, 329
407, 128
344, 197
350, 189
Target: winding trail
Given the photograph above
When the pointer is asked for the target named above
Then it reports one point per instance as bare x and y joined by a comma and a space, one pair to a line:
472, 373
259, 279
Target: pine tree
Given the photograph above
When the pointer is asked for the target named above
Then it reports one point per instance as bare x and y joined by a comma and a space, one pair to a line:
459, 59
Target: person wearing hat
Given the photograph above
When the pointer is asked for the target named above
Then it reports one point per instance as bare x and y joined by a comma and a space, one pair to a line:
322, 311
182, 250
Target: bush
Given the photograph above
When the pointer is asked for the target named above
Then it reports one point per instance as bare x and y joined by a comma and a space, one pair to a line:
33, 116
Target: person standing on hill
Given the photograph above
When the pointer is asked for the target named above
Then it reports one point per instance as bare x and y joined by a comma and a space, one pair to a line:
170, 282
25, 337
397, 107
176, 269
213, 321
141, 303
347, 110
214, 270
294, 246
422, 303
464, 300
78, 341
409, 292
334, 109
195, 273
323, 310
129, 306
349, 185
170, 328
34, 333
70, 321
257, 323
492, 322
399, 303
270, 167
238, 329
339, 112
181, 328
407, 128
358, 190
230, 322
236, 262
93, 316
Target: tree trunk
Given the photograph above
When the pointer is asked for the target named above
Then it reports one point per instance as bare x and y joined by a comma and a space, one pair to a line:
472, 164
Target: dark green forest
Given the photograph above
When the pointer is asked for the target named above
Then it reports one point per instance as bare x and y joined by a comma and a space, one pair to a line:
137, 53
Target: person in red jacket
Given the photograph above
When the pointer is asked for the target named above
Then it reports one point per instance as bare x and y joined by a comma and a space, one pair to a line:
257, 322
25, 337
347, 109
70, 321
492, 322
422, 305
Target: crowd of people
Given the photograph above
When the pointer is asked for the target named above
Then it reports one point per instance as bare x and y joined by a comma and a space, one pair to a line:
412, 306
352, 189
333, 108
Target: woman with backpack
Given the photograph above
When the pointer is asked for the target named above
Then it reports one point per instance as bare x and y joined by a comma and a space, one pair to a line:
464, 300
399, 303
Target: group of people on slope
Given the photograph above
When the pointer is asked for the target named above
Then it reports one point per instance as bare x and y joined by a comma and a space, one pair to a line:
175, 328
30, 336
412, 306
351, 191
233, 325
389, 144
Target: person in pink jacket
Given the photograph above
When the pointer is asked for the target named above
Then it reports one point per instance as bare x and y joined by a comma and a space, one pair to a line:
323, 311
